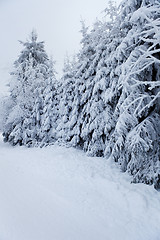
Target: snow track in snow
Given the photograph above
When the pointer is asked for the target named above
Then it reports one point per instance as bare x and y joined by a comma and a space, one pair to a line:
57, 193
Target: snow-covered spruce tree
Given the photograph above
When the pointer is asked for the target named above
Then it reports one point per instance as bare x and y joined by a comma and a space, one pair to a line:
80, 133
86, 118
90, 114
26, 94
66, 98
93, 113
135, 142
50, 111
74, 81
99, 106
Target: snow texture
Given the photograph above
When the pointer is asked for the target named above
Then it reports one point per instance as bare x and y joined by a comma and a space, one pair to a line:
60, 193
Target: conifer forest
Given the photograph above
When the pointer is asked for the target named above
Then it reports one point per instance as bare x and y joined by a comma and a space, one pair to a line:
107, 102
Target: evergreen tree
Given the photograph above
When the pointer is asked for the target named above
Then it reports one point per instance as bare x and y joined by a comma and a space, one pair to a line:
82, 90
26, 91
50, 111
73, 83
66, 98
89, 112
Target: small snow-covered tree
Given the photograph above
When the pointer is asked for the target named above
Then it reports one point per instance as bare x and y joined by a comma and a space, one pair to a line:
50, 110
66, 98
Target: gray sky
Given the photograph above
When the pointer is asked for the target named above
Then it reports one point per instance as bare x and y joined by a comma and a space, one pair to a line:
56, 21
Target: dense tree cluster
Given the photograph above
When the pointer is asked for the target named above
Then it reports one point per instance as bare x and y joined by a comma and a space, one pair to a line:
108, 100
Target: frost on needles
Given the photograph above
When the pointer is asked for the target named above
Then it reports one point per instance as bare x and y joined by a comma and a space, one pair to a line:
108, 100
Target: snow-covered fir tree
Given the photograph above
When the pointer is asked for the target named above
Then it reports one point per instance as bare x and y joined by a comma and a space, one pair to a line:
89, 114
66, 98
50, 111
29, 79
72, 84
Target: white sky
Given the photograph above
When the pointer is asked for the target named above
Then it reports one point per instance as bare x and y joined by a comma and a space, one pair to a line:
57, 23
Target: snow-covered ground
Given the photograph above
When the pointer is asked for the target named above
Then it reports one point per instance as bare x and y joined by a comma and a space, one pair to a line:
57, 193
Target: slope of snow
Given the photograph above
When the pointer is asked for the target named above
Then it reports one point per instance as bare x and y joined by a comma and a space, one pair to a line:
56, 193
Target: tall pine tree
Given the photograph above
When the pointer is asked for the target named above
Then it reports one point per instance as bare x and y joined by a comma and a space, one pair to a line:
29, 79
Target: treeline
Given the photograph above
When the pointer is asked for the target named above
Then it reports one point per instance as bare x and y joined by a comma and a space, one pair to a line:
108, 100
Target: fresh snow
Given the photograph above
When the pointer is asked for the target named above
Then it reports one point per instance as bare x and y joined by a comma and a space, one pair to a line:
58, 193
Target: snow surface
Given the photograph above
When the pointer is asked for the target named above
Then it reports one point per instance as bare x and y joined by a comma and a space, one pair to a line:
58, 193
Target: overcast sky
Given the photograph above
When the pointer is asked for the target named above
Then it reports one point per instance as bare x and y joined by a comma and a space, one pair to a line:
57, 23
